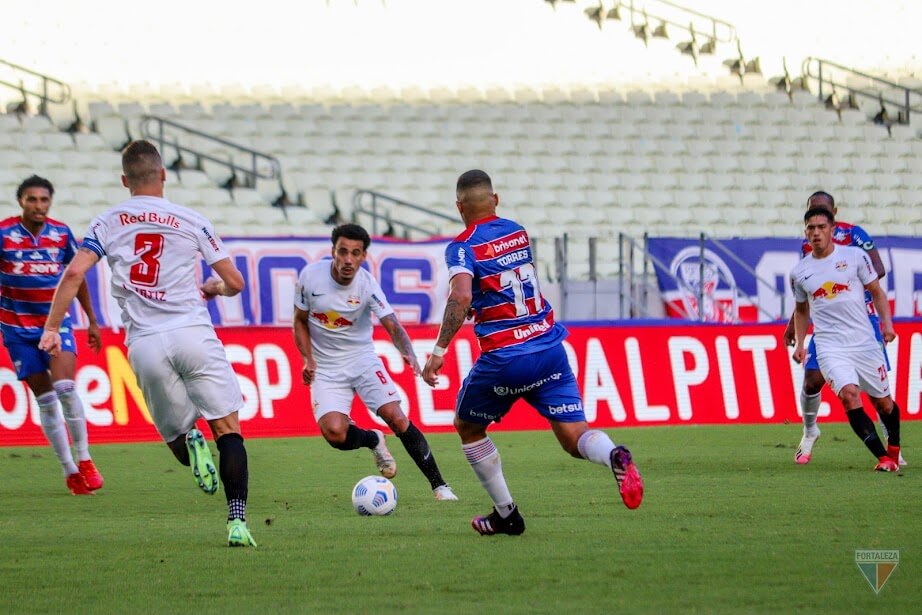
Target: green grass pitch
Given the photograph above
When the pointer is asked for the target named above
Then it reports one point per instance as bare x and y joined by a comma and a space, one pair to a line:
729, 524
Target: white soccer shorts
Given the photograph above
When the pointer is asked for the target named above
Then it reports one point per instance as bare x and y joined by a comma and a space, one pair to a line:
184, 374
863, 367
333, 391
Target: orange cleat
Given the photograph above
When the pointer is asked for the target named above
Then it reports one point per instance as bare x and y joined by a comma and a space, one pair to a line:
90, 474
77, 485
887, 464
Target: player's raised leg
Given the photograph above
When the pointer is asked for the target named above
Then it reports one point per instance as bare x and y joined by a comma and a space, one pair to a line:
595, 446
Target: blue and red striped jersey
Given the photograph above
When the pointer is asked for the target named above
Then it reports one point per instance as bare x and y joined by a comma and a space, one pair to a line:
30, 268
510, 315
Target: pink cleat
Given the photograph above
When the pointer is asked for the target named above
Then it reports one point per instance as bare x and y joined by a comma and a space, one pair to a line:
630, 485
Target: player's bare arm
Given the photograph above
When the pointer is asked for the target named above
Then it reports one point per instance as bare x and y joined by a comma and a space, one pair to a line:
882, 305
227, 283
788, 336
303, 342
93, 338
456, 310
401, 341
71, 280
877, 262
801, 318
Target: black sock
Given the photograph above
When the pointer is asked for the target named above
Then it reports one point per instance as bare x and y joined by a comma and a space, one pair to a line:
235, 474
892, 423
356, 438
863, 427
415, 442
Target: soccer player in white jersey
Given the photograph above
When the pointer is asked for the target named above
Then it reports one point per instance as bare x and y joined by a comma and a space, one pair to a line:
334, 302
154, 249
829, 284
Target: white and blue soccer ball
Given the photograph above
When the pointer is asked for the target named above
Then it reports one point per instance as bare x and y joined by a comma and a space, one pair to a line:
374, 495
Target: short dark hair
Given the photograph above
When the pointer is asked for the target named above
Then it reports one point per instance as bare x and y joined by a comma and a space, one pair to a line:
141, 162
819, 211
474, 178
822, 193
351, 231
34, 181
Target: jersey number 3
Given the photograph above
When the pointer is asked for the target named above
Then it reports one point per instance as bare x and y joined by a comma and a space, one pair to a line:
516, 279
148, 247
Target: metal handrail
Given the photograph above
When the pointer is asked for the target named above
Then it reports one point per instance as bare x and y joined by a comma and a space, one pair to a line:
878, 95
63, 94
657, 264
626, 272
729, 30
745, 266
358, 206
253, 171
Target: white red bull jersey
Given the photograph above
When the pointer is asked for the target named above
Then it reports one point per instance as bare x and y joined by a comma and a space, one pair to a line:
510, 314
834, 288
845, 234
339, 317
154, 249
30, 269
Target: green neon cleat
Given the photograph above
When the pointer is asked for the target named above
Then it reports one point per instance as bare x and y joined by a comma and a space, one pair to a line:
206, 476
238, 535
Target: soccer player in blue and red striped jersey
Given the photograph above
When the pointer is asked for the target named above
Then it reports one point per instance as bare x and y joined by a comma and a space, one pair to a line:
492, 276
34, 252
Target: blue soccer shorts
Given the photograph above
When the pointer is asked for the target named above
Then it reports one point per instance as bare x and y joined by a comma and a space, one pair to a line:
27, 359
543, 379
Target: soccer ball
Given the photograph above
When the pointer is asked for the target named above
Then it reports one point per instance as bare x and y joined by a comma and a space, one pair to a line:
374, 495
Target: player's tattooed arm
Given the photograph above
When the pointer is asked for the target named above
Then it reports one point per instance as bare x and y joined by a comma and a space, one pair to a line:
456, 308
401, 340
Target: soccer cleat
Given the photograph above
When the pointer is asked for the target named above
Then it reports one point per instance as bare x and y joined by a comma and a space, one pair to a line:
805, 449
492, 524
90, 474
238, 535
203, 469
444, 494
630, 485
893, 452
886, 464
77, 485
383, 458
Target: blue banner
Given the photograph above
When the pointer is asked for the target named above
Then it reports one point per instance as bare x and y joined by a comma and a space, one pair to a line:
746, 280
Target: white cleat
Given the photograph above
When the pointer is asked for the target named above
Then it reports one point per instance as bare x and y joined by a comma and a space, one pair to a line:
443, 493
383, 458
805, 449
902, 461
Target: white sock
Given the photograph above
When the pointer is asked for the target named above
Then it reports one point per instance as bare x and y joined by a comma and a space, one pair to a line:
487, 465
810, 406
75, 417
596, 446
53, 425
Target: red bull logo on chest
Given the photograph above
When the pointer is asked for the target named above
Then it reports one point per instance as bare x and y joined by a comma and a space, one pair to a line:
829, 290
